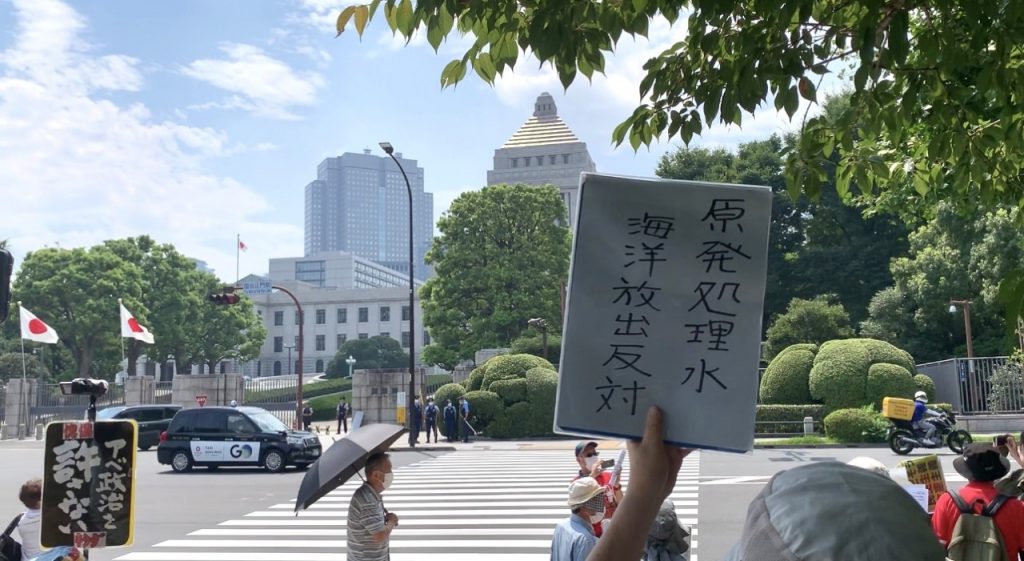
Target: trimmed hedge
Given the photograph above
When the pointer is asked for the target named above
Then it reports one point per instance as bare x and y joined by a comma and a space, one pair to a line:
325, 407
856, 425
511, 391
510, 367
786, 378
542, 385
475, 379
510, 423
840, 377
925, 384
778, 413
484, 407
308, 390
889, 380
450, 391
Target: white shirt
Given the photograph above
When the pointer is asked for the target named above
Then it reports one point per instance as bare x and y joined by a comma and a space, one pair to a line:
28, 529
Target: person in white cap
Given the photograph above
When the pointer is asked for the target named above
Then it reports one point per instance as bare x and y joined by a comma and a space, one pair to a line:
574, 537
921, 415
869, 464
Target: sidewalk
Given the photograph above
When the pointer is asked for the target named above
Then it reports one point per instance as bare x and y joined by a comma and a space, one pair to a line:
327, 437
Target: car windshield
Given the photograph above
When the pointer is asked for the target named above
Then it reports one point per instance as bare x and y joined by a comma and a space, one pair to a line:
268, 422
108, 413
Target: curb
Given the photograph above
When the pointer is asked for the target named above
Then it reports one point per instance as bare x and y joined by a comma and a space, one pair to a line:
816, 446
422, 449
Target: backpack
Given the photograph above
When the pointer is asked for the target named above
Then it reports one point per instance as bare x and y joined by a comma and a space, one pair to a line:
10, 549
976, 536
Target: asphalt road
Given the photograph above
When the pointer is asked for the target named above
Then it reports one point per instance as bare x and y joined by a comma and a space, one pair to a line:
170, 506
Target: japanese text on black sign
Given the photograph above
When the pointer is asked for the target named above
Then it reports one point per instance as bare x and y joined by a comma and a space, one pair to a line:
88, 484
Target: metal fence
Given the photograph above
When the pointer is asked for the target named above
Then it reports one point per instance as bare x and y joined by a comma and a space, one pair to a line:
276, 395
966, 384
162, 392
3, 413
782, 429
52, 405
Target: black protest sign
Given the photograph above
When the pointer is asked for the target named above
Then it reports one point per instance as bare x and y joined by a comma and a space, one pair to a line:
88, 484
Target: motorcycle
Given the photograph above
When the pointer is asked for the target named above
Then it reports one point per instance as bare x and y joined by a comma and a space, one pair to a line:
903, 437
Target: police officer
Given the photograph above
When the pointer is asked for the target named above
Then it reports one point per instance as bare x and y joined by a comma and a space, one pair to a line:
416, 418
449, 422
431, 415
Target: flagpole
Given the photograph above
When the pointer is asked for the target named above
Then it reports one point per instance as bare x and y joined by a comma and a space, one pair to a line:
120, 303
23, 402
238, 250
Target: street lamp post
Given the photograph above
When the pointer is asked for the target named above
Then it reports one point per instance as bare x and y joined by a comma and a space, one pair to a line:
289, 347
350, 362
966, 305
298, 366
542, 326
390, 151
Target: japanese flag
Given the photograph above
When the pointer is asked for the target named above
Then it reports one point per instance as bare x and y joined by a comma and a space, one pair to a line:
33, 328
242, 246
131, 328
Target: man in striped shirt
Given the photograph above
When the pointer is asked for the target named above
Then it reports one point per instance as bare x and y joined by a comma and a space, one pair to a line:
369, 525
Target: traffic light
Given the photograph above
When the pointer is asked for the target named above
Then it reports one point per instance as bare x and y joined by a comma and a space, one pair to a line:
223, 298
6, 270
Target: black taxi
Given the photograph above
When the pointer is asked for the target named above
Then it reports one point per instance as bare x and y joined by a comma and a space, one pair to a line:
234, 436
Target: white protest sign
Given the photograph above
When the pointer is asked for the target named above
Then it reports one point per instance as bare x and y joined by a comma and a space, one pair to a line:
919, 493
665, 298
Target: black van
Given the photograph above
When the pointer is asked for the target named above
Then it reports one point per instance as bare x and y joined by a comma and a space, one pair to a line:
234, 436
152, 420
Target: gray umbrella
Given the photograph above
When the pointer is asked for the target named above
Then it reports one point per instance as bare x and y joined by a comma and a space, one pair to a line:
343, 459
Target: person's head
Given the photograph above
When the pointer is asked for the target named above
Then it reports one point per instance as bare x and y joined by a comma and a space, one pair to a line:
449, 402
31, 494
430, 400
378, 471
586, 499
869, 464
344, 399
920, 396
587, 455
981, 463
667, 532
234, 403
829, 510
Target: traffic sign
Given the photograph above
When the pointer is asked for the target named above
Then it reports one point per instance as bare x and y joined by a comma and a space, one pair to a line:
89, 484
201, 400
254, 288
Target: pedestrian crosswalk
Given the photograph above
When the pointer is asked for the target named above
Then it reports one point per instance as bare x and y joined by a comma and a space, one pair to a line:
469, 505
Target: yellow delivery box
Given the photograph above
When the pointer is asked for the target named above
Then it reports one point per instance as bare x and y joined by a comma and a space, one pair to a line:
898, 408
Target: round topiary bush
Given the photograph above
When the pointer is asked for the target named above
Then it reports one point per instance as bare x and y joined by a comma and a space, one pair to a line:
510, 367
511, 391
512, 423
484, 407
888, 380
839, 377
785, 381
450, 391
541, 387
856, 425
476, 377
925, 384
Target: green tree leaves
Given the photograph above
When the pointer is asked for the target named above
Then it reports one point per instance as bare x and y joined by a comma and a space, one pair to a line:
500, 260
370, 353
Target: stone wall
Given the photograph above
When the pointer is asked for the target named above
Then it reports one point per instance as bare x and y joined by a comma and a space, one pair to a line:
139, 390
219, 389
18, 396
375, 392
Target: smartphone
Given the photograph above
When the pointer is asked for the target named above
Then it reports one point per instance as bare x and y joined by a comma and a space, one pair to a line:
607, 464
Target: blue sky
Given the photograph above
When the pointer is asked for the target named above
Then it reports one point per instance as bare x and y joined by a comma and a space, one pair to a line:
194, 120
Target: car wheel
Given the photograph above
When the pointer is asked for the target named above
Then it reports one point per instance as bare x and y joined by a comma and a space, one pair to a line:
273, 461
181, 461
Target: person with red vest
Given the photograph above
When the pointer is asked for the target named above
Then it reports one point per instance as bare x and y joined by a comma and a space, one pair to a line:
589, 461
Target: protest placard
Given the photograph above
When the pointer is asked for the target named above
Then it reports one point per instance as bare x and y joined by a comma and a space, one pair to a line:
89, 484
927, 470
664, 307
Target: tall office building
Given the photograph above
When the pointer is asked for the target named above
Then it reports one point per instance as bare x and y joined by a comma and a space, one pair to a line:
358, 203
544, 151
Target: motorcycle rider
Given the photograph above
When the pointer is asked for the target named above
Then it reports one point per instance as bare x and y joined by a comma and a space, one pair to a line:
921, 415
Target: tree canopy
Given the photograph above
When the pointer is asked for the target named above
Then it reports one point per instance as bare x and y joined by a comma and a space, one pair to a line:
814, 247
936, 86
500, 259
371, 353
76, 292
808, 321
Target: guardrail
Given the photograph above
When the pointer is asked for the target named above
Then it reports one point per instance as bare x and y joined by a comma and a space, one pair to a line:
782, 429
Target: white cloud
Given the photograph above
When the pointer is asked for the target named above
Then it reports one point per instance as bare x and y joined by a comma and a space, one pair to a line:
260, 84
76, 169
